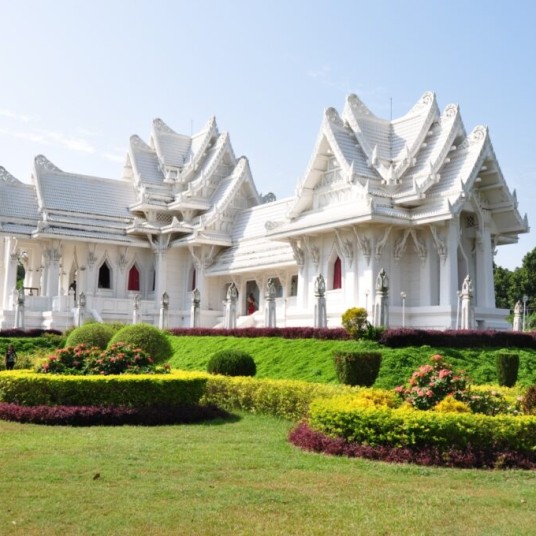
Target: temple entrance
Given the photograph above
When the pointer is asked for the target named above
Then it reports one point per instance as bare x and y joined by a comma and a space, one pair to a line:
252, 297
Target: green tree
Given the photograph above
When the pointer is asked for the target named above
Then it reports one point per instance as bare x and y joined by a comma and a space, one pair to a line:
510, 287
503, 282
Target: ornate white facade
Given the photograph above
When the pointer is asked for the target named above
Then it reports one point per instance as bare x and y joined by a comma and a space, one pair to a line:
416, 196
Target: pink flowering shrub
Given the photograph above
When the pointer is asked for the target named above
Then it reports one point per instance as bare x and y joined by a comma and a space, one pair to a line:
69, 360
432, 383
120, 358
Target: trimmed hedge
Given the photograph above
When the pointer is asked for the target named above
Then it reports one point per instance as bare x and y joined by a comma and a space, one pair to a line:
357, 368
308, 439
34, 389
507, 368
110, 415
288, 399
405, 427
22, 333
284, 333
401, 338
232, 363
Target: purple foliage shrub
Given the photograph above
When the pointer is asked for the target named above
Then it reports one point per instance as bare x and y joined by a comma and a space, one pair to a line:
400, 338
110, 415
285, 333
21, 333
308, 439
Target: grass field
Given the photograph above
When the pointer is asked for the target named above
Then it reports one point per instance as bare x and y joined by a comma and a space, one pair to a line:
312, 360
239, 477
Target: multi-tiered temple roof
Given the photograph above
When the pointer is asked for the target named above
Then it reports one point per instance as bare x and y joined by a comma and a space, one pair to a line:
417, 169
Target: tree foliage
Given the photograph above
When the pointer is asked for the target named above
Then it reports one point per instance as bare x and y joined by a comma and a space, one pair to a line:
511, 286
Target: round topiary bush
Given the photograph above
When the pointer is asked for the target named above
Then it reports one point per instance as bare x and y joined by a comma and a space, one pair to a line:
150, 339
94, 334
232, 363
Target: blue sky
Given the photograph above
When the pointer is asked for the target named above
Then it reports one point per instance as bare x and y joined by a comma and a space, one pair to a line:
78, 78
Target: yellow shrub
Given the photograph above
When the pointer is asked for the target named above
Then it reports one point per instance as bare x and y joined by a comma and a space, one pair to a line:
450, 405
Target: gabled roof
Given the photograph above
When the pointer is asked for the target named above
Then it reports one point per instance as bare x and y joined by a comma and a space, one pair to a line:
81, 206
419, 168
18, 206
250, 248
173, 150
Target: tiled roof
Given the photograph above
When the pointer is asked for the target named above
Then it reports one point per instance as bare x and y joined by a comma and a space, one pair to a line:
145, 161
81, 194
173, 149
414, 168
18, 200
251, 248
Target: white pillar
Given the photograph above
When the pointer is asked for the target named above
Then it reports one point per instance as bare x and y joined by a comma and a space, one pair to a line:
485, 290
10, 270
229, 321
269, 306
449, 268
320, 314
160, 271
195, 308
518, 317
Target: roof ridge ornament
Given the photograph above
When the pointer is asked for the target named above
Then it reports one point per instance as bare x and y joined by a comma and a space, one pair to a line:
427, 99
161, 126
358, 106
478, 135
451, 110
332, 115
44, 164
6, 176
137, 142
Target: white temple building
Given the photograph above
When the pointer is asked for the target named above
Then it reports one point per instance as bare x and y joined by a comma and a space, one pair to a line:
417, 196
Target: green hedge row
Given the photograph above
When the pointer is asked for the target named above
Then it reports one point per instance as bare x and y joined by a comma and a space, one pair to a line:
374, 425
288, 399
34, 389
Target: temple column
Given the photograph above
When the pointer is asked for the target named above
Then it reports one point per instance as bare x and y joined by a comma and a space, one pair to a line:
303, 274
485, 292
449, 268
10, 270
53, 256
160, 248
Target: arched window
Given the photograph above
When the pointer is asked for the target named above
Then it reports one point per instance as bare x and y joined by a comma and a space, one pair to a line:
337, 273
105, 276
134, 279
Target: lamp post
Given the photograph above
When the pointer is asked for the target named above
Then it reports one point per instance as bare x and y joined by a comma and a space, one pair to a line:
525, 300
366, 301
403, 296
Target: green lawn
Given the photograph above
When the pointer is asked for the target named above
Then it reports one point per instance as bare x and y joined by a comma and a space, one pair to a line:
239, 477
312, 360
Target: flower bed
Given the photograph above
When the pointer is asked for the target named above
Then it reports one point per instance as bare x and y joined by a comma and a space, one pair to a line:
437, 419
306, 438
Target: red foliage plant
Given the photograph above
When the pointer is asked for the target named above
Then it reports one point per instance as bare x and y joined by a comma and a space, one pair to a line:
110, 415
308, 439
285, 333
